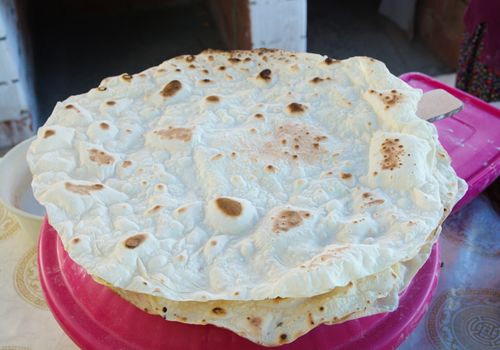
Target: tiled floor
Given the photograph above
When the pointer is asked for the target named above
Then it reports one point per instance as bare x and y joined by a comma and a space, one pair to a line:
74, 50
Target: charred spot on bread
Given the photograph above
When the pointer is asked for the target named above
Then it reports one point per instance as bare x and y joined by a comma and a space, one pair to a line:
171, 88
135, 241
229, 206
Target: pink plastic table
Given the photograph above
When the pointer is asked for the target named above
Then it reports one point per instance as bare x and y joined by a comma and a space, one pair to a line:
96, 318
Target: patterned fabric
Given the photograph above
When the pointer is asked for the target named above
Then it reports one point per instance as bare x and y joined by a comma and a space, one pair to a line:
465, 311
25, 320
474, 76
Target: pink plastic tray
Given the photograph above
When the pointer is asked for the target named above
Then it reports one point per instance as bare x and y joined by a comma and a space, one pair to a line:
471, 137
96, 318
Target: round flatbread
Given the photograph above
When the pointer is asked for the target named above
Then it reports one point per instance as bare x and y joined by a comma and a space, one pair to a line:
244, 175
282, 320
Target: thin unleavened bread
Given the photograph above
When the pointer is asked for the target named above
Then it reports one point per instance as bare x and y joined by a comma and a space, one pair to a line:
246, 175
280, 321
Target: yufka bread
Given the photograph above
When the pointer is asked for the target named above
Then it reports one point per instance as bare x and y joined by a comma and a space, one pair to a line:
281, 320
224, 183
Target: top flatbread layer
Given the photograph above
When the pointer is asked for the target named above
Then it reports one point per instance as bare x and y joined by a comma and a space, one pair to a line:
243, 175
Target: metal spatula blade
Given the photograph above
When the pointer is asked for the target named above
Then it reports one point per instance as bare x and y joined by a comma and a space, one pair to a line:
438, 104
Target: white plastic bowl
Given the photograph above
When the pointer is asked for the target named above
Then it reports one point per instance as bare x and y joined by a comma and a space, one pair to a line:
15, 189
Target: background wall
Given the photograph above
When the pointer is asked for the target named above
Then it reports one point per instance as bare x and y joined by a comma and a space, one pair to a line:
17, 100
247, 24
76, 43
440, 25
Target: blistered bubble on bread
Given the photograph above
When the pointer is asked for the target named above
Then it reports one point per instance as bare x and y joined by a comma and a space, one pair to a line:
54, 138
400, 161
230, 215
101, 131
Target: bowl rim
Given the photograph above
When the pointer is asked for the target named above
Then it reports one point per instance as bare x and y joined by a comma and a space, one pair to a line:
11, 154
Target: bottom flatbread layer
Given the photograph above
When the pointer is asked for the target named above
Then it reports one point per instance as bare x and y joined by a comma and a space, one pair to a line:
282, 320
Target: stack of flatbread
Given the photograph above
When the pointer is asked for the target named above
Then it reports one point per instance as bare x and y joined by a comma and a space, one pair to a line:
264, 191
